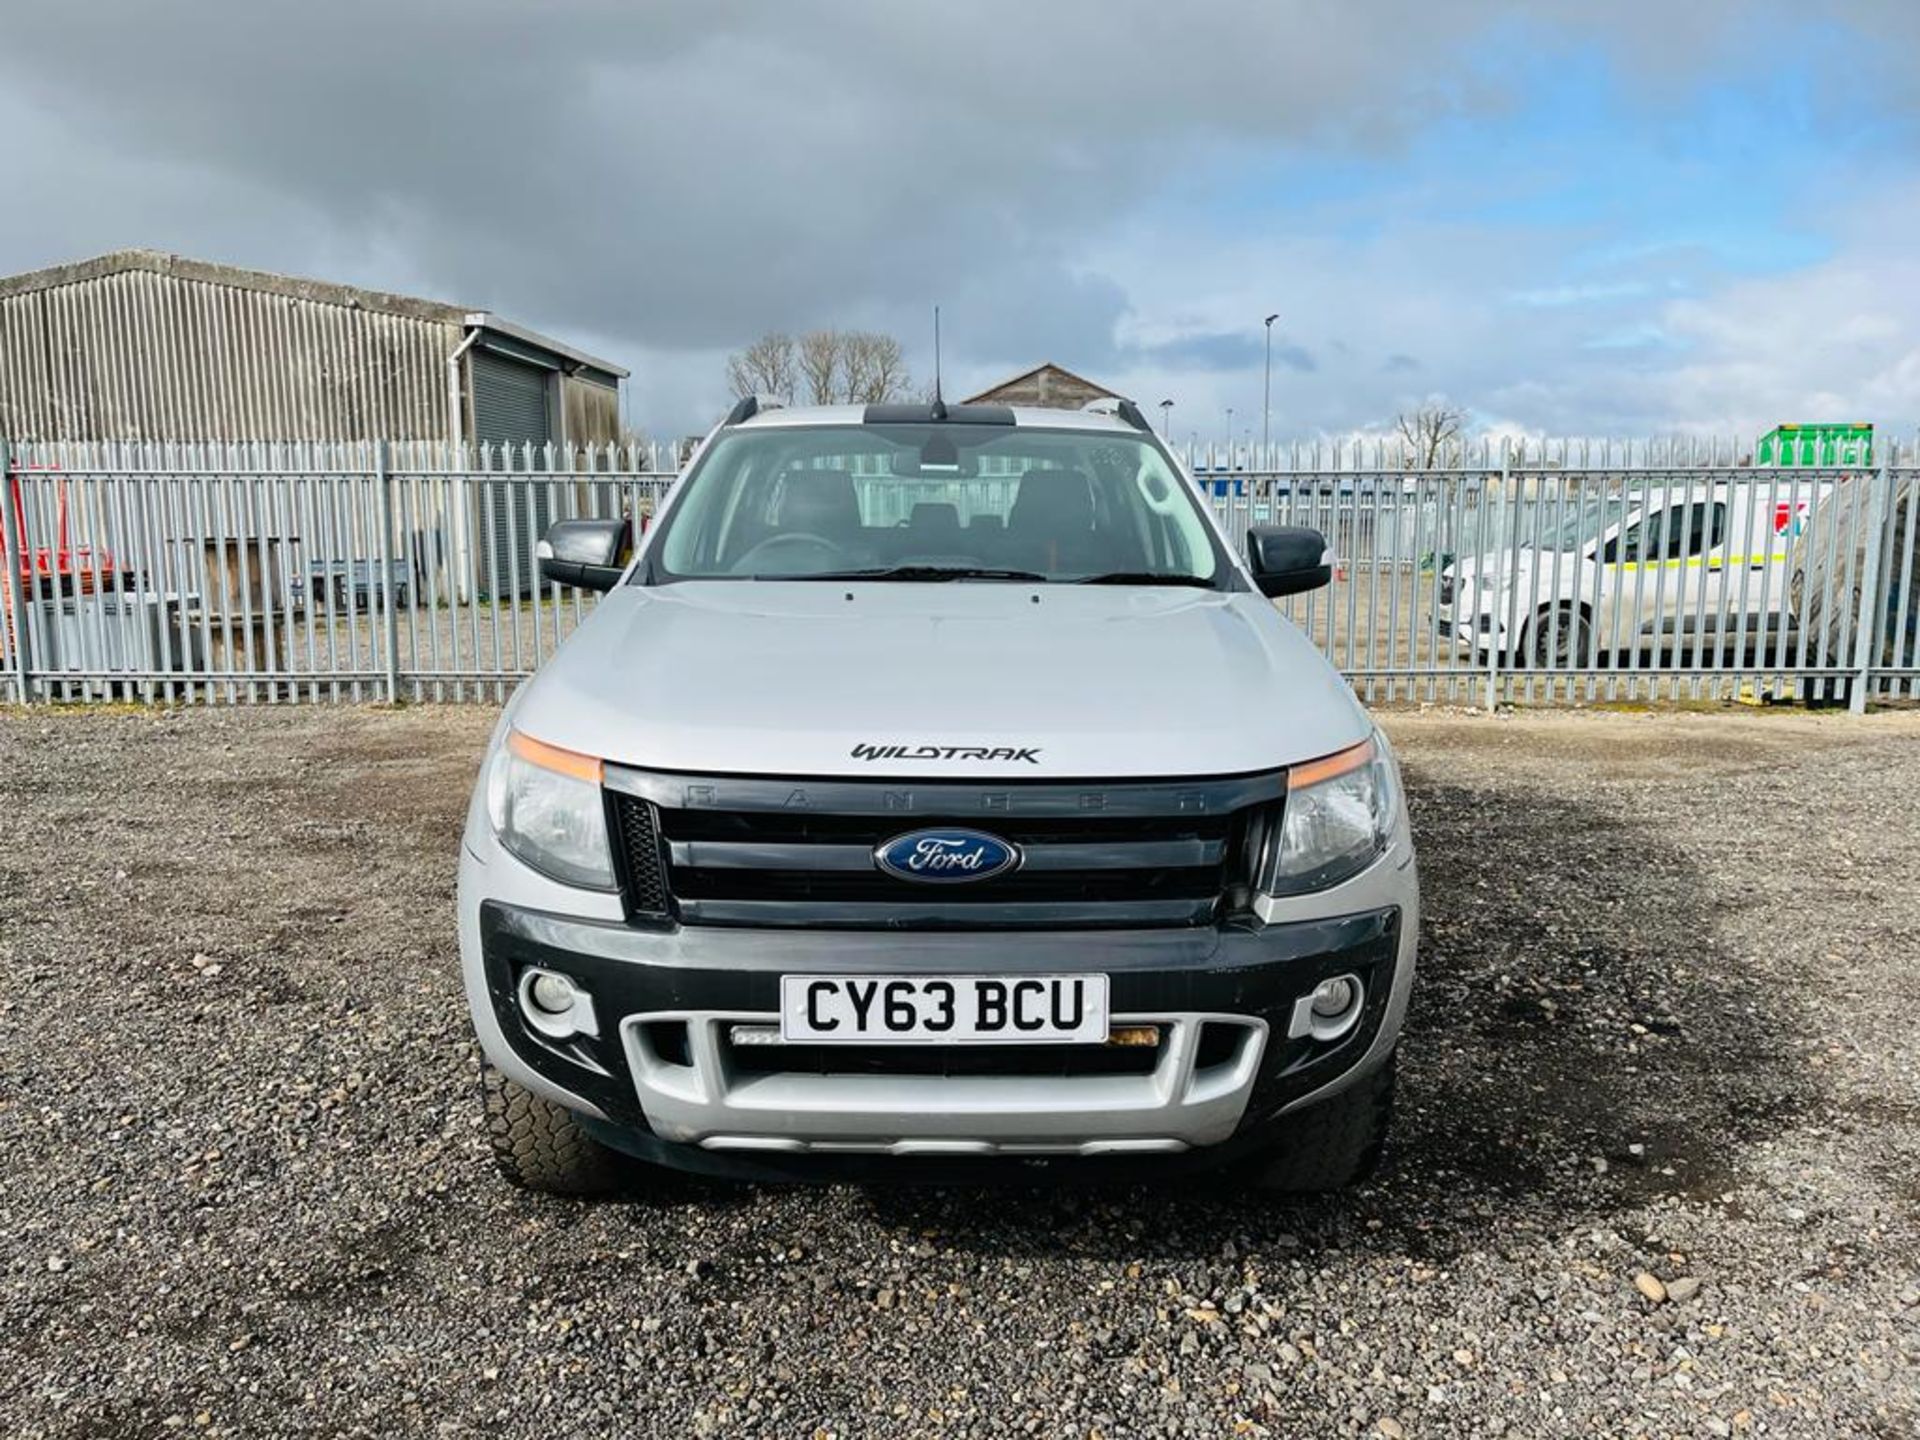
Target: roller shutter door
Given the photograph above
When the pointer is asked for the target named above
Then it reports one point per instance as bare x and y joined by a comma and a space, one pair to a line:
511, 406
510, 401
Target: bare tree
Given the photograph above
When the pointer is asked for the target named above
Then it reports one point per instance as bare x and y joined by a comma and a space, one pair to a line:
874, 368
764, 368
1429, 433
822, 364
832, 367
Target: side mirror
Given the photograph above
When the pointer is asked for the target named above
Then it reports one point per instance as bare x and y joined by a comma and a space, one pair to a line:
1287, 559
589, 554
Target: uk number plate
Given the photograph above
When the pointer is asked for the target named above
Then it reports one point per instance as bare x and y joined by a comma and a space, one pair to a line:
943, 1009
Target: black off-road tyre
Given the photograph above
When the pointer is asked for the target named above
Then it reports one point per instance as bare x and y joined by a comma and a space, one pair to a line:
1333, 1144
538, 1145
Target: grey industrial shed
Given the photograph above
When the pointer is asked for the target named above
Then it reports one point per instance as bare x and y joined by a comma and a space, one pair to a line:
145, 346
141, 345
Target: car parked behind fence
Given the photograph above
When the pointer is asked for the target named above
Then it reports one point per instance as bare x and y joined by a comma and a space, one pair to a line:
1686, 568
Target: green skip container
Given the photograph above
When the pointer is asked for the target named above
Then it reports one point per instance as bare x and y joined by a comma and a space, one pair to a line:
1816, 446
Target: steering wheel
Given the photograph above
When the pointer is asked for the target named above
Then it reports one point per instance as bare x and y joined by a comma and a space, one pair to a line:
792, 542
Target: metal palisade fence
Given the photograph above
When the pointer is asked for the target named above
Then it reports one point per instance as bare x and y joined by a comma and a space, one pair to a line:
1501, 572
314, 572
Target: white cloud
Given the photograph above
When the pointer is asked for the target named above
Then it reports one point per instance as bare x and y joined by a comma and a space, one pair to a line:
1554, 296
1839, 340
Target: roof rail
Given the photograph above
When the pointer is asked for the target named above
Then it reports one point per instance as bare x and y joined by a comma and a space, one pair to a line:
1116, 405
749, 406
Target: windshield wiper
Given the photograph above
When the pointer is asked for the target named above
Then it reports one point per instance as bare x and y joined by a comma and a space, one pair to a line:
1145, 577
915, 572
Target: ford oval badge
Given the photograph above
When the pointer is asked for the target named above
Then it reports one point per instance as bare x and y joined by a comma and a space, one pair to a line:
944, 857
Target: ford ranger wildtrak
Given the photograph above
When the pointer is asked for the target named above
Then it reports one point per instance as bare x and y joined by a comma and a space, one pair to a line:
936, 793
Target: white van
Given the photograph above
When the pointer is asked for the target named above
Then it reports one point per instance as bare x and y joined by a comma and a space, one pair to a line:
1677, 569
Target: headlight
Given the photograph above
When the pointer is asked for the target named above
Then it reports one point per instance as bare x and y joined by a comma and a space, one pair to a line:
1337, 821
546, 807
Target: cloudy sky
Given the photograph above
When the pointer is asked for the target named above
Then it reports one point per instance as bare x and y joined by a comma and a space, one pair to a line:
1610, 218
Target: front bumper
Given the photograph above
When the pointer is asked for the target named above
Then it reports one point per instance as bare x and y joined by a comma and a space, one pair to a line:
1468, 628
661, 1080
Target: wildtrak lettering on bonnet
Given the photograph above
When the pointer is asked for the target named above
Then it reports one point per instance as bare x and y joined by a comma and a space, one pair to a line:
1029, 753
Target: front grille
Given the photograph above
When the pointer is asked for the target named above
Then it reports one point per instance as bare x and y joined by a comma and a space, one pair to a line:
645, 877
783, 853
1198, 884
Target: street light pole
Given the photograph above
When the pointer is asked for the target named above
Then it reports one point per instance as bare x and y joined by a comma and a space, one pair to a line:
1229, 437
1266, 404
1166, 419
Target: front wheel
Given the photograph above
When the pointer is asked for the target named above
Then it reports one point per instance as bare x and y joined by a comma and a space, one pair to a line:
538, 1145
1333, 1144
1559, 640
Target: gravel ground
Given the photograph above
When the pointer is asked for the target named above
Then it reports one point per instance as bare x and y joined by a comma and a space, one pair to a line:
1657, 1169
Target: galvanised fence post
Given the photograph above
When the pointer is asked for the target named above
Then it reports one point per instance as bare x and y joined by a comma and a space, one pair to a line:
1513, 577
18, 573
1872, 622
390, 620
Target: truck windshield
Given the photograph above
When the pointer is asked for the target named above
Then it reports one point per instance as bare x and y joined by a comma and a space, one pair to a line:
936, 502
1578, 522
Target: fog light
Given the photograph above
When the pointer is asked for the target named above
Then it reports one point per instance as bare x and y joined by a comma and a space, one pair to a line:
555, 994
555, 1005
1331, 998
1329, 1010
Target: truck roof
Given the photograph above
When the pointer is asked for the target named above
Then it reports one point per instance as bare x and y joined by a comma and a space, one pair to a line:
921, 413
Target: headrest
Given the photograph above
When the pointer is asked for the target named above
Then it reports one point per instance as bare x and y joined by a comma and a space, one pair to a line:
1058, 502
934, 517
819, 502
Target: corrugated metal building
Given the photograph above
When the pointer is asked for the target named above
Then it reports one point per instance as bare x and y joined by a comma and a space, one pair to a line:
141, 345
144, 346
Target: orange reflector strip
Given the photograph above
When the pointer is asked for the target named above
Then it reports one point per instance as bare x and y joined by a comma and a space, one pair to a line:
552, 757
1134, 1035
1326, 767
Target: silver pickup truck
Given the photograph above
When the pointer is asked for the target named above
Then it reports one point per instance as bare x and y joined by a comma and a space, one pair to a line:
934, 793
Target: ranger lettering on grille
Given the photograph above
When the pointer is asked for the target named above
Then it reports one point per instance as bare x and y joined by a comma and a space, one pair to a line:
1029, 753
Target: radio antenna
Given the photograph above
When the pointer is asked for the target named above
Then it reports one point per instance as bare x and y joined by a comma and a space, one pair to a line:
939, 404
